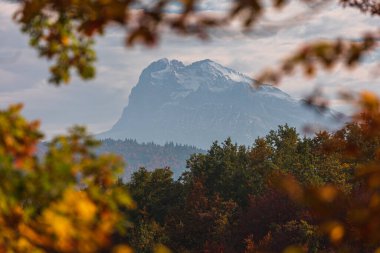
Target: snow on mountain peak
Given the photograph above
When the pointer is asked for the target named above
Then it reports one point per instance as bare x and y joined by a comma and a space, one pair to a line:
219, 70
163, 66
182, 80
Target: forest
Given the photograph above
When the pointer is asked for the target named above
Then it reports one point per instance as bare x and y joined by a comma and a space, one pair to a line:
232, 199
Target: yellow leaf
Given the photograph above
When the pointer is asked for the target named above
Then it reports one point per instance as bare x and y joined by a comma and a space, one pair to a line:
369, 100
60, 225
85, 207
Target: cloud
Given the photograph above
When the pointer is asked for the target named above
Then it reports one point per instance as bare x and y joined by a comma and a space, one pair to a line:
99, 103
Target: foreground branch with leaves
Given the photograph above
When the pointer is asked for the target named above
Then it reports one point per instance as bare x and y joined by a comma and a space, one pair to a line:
67, 201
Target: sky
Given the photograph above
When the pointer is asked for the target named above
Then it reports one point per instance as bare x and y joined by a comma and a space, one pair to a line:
98, 103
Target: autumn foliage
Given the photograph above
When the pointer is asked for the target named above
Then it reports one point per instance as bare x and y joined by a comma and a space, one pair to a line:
65, 202
286, 193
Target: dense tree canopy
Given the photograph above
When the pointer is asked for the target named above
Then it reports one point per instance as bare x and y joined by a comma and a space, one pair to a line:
284, 192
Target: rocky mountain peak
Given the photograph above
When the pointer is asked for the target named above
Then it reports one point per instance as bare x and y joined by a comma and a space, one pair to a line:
205, 101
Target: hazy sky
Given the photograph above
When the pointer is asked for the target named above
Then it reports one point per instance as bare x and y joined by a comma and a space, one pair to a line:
99, 103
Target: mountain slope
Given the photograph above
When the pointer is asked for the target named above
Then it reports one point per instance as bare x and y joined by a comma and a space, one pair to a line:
203, 102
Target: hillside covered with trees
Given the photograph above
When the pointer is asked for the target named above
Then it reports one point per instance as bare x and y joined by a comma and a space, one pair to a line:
149, 155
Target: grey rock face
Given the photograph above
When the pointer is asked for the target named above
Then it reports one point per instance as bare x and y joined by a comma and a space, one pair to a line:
203, 102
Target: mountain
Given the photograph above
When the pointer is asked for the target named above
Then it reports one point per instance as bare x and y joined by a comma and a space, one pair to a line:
202, 102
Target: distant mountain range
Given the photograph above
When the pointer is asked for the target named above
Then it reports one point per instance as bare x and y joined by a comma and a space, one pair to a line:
202, 102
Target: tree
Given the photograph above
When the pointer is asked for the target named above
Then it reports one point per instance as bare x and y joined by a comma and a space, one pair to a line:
263, 211
204, 222
225, 170
155, 192
284, 142
261, 162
